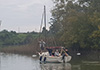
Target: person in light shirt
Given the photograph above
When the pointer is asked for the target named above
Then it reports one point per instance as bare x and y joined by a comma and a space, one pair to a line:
57, 53
42, 44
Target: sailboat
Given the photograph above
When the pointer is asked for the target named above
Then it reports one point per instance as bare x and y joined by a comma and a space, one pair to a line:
47, 56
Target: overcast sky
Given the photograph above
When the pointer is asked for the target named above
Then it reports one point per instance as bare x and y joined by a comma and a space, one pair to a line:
23, 15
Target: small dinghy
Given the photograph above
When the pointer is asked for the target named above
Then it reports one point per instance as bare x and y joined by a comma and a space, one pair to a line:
48, 57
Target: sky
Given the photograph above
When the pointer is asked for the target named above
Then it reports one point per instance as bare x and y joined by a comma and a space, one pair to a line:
23, 15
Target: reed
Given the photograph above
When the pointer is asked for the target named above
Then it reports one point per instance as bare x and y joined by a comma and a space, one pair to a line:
29, 49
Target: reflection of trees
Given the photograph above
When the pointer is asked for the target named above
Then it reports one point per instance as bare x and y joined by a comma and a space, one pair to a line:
87, 65
76, 67
56, 66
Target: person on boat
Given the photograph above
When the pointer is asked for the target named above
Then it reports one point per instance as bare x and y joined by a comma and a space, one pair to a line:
42, 44
65, 53
53, 52
40, 58
50, 51
57, 53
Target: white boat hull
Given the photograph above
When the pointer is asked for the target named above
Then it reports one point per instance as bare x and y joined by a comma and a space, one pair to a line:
57, 59
54, 58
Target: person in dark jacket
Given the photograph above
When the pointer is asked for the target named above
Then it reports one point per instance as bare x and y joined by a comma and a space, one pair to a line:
65, 53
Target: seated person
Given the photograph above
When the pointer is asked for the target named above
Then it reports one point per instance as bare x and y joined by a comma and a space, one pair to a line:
65, 54
50, 51
56, 53
53, 52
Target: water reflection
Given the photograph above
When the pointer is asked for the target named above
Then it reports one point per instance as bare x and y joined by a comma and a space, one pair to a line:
20, 62
87, 65
56, 66
76, 67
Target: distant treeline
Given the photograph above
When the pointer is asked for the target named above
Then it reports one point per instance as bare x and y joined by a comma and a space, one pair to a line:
12, 38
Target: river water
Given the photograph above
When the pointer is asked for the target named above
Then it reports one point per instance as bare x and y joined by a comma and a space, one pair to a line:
22, 62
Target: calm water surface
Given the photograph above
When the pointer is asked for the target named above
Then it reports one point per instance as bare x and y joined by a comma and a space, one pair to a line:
19, 62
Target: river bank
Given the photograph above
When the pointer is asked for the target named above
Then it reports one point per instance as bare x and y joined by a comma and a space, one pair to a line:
28, 49
33, 48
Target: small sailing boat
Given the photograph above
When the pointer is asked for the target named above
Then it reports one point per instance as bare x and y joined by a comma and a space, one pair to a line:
48, 56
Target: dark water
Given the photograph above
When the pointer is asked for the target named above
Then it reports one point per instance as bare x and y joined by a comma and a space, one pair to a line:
19, 62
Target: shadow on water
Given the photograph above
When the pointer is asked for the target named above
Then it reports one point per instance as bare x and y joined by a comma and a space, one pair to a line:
84, 64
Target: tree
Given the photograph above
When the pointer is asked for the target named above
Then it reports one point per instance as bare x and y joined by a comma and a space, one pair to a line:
79, 21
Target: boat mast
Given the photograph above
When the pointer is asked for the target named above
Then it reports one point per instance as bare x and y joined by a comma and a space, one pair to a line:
45, 20
45, 16
0, 24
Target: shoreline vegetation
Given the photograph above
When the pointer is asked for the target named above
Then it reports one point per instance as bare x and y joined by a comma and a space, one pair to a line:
33, 48
21, 43
28, 49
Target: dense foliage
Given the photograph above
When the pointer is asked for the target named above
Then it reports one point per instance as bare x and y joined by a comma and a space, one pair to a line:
76, 23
